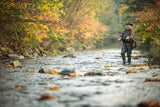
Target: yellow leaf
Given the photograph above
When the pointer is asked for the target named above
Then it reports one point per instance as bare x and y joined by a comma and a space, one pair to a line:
54, 72
108, 66
141, 68
10, 65
131, 72
53, 88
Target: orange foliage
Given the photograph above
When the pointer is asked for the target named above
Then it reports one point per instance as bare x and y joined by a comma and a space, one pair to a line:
108, 66
53, 88
54, 72
152, 80
141, 68
131, 72
46, 96
148, 104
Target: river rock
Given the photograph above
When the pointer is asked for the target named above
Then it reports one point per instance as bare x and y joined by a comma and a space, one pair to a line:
69, 55
16, 63
95, 73
70, 50
44, 70
66, 71
14, 56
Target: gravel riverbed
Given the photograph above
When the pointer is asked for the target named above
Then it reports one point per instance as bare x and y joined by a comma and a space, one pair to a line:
24, 86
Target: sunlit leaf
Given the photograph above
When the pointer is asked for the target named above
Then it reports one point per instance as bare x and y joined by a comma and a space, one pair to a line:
148, 104
11, 66
142, 68
131, 71
122, 68
54, 72
46, 97
53, 88
152, 80
106, 66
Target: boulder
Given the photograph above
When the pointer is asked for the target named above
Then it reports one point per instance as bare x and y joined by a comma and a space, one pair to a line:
69, 55
95, 73
16, 63
14, 56
83, 47
70, 50
67, 71
44, 70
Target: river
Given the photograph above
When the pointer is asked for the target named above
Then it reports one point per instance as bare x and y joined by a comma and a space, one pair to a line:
24, 86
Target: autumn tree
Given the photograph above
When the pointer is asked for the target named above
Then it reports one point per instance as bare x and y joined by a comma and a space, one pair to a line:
145, 16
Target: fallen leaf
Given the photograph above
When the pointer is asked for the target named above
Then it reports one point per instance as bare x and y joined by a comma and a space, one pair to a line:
152, 80
135, 65
122, 69
53, 88
46, 96
141, 68
131, 71
19, 86
135, 57
108, 66
148, 104
33, 71
11, 66
74, 75
54, 72
98, 58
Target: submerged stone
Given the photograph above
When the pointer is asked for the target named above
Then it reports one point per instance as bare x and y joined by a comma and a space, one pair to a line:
95, 73
69, 55
44, 70
67, 71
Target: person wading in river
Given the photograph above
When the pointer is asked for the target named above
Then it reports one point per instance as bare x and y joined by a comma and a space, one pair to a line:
127, 38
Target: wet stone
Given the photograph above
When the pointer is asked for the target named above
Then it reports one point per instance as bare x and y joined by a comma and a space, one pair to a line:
44, 70
66, 71
95, 73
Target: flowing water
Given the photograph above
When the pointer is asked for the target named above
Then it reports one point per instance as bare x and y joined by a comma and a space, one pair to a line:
116, 89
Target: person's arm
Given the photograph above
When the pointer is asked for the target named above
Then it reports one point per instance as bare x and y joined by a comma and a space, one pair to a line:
120, 38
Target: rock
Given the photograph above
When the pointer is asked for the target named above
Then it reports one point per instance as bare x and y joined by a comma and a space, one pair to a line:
44, 70
83, 47
6, 50
70, 50
95, 73
14, 56
67, 71
69, 55
16, 63
148, 104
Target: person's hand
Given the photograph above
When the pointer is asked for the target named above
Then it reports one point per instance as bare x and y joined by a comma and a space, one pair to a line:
119, 39
127, 37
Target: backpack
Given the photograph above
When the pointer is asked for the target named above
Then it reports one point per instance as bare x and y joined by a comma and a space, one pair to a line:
134, 44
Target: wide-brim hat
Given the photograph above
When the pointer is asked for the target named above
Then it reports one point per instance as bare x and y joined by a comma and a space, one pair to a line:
129, 24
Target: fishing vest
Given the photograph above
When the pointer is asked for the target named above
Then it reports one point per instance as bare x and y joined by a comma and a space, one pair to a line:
126, 33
